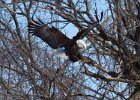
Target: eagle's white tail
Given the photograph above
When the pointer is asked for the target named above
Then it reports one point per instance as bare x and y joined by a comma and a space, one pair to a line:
59, 53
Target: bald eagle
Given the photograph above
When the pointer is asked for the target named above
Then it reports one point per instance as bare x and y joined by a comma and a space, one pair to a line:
56, 39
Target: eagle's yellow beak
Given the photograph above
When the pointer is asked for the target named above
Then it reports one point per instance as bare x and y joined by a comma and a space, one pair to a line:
85, 48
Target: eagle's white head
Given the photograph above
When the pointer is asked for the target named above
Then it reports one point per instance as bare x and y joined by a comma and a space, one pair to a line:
81, 44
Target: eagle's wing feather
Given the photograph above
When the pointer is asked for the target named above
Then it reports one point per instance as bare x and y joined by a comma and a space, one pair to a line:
82, 33
52, 36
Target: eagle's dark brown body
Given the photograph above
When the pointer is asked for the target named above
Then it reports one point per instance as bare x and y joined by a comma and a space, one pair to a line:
72, 50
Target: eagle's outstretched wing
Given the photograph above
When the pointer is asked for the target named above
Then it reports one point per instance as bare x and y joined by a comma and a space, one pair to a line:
52, 36
81, 34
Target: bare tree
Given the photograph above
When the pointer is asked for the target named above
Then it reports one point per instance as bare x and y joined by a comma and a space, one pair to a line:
111, 65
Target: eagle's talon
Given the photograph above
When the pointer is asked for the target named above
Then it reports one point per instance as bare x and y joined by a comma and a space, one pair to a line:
85, 60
